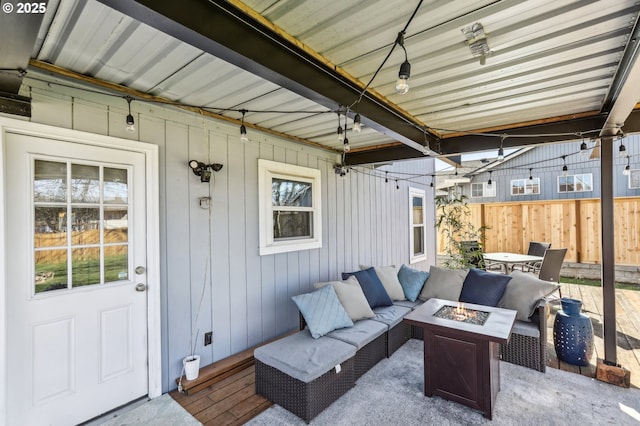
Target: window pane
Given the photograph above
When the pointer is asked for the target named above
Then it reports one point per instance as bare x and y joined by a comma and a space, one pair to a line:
50, 183
417, 210
476, 189
116, 263
116, 225
51, 270
418, 240
583, 182
288, 225
85, 184
85, 266
290, 193
50, 227
84, 222
116, 189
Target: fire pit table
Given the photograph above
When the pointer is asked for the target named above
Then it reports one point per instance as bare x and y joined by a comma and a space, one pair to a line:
461, 350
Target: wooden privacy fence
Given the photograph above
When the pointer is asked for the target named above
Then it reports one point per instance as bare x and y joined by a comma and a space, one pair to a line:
574, 224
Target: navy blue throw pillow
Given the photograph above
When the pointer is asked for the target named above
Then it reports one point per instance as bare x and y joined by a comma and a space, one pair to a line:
483, 288
371, 287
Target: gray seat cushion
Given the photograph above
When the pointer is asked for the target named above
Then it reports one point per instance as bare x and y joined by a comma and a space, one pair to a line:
408, 304
390, 315
526, 329
304, 358
363, 332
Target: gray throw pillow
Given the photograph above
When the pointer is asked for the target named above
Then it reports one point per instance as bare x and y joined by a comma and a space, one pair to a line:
523, 293
443, 284
352, 297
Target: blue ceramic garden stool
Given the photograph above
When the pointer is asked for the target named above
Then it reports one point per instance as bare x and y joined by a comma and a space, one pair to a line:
573, 333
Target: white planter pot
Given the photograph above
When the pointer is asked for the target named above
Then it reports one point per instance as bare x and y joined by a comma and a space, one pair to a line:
191, 367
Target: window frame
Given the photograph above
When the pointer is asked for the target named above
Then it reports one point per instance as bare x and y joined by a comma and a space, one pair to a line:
634, 176
574, 183
417, 257
269, 170
525, 186
486, 191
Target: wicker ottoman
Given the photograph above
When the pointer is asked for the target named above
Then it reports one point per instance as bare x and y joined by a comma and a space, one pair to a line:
304, 375
399, 332
370, 338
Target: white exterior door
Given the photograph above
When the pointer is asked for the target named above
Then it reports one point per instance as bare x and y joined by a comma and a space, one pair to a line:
76, 280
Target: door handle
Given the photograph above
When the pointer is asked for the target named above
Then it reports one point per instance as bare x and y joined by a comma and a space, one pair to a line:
141, 287
140, 270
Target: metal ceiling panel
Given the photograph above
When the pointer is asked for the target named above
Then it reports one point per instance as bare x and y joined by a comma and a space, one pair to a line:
549, 59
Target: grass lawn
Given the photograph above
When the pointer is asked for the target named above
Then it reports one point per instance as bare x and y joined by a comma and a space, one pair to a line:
598, 283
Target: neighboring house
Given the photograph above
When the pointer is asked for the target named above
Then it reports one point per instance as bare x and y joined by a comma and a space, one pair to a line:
535, 174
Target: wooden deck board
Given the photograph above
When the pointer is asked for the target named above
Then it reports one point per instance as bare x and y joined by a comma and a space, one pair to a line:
233, 401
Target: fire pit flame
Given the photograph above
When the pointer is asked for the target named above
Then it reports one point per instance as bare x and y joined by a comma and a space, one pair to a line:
461, 312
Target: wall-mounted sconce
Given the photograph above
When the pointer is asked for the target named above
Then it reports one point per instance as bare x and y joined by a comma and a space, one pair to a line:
204, 170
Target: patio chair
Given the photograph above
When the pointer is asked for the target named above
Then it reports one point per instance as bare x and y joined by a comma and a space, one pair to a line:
535, 249
550, 266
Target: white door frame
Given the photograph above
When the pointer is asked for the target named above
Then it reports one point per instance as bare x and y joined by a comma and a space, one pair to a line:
153, 240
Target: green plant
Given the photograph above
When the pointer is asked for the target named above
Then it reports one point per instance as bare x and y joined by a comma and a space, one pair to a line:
461, 239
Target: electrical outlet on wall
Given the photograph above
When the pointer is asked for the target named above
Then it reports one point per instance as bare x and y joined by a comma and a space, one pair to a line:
208, 338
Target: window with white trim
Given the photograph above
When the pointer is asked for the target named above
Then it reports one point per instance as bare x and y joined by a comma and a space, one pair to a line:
483, 189
525, 186
634, 179
575, 183
417, 225
289, 207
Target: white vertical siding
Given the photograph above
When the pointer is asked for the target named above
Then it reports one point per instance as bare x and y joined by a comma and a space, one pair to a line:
247, 297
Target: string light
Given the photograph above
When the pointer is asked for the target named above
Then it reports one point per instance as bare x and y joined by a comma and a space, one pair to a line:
340, 132
243, 129
622, 149
530, 175
397, 186
489, 183
131, 124
402, 85
501, 150
627, 170
565, 169
357, 125
386, 177
584, 150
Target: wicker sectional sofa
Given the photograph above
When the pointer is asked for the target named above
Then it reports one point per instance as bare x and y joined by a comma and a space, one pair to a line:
305, 375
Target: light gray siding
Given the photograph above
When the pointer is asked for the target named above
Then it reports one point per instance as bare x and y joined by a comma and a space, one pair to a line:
211, 268
546, 163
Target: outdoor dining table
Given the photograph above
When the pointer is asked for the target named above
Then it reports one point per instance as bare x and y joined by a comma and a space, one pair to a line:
511, 259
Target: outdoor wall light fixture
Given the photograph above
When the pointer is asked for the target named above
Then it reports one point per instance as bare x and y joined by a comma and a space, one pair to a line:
204, 170
402, 85
131, 124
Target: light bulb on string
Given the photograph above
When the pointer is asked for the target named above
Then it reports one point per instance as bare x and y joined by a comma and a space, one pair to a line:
489, 182
346, 147
131, 124
402, 84
584, 150
243, 129
357, 124
530, 175
565, 169
627, 169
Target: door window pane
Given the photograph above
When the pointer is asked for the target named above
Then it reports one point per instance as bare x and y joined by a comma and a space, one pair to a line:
50, 270
116, 263
85, 184
116, 225
85, 266
116, 186
50, 227
85, 224
50, 181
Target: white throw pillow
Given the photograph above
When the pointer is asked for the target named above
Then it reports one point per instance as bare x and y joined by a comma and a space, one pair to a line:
352, 297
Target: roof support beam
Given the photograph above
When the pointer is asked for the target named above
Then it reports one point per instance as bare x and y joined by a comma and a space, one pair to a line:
220, 29
19, 32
